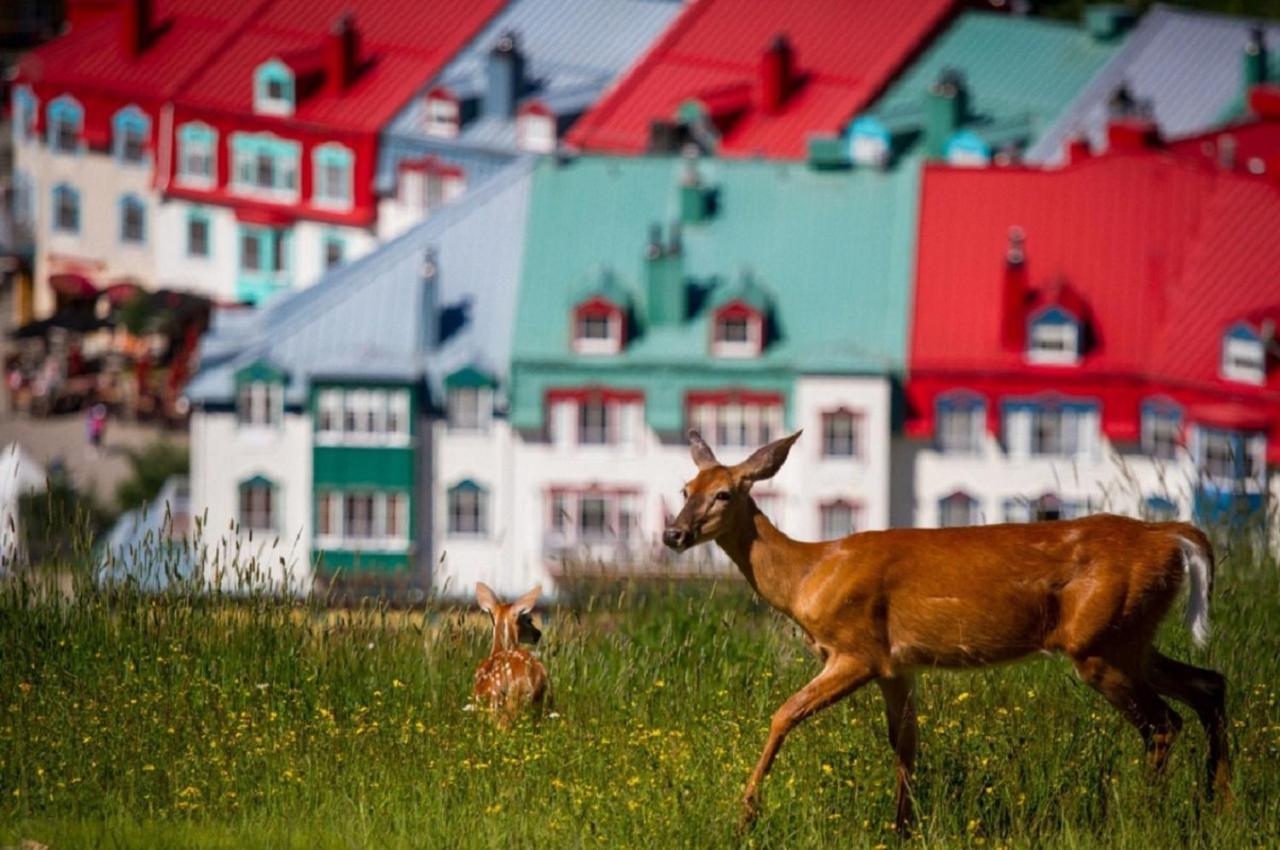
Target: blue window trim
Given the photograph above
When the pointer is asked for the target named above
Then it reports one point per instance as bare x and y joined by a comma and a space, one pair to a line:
197, 132
967, 142
198, 214
65, 107
960, 399
129, 118
258, 286
267, 72
131, 201
1049, 402
1242, 331
333, 153
58, 190
1054, 315
25, 103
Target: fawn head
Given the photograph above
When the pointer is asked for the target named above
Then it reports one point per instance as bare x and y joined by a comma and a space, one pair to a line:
512, 623
719, 497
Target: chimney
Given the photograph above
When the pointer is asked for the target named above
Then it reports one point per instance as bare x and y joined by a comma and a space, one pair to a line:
1013, 294
1264, 101
777, 74
945, 107
428, 305
664, 278
136, 26
506, 77
1255, 58
341, 50
695, 199
1107, 21
1078, 149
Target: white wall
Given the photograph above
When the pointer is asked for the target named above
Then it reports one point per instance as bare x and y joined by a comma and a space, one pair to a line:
96, 250
223, 454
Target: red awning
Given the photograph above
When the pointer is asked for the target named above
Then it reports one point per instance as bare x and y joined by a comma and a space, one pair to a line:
72, 285
1230, 414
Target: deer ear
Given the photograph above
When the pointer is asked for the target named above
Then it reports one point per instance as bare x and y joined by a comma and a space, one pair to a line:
485, 596
701, 453
525, 603
765, 461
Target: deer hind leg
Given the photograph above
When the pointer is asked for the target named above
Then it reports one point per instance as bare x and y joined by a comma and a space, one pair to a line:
1137, 700
1206, 692
900, 708
840, 677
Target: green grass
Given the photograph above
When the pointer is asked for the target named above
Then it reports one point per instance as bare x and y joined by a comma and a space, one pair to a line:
208, 722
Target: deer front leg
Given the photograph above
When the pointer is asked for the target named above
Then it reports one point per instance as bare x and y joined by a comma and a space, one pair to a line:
900, 708
840, 677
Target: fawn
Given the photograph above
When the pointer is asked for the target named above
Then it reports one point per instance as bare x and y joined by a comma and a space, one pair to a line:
511, 678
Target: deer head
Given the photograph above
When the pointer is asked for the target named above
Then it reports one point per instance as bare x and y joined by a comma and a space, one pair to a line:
513, 623
719, 497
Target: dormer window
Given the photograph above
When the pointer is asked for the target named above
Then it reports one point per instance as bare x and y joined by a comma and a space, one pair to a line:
1053, 337
737, 331
273, 89
1244, 356
536, 128
260, 396
598, 327
869, 142
424, 184
443, 114
967, 149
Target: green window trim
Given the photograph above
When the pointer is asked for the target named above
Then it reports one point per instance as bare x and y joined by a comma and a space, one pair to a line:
198, 141
274, 73
261, 370
265, 164
470, 376
338, 191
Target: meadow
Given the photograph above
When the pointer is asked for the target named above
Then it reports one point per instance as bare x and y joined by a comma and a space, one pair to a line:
191, 720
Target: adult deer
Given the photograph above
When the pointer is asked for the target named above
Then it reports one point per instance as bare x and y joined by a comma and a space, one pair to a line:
511, 678
880, 604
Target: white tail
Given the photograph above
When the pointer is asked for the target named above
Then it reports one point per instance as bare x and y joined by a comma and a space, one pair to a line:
1199, 565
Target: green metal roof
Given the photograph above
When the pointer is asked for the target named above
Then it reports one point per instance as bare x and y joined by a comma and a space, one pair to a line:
831, 248
1020, 73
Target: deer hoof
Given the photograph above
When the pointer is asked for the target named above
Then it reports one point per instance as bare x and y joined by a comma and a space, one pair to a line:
750, 811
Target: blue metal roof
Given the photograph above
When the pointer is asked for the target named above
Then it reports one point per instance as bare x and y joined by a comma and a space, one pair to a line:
1188, 65
366, 320
573, 50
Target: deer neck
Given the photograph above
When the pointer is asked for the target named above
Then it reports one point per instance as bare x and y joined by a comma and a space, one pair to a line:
505, 636
772, 563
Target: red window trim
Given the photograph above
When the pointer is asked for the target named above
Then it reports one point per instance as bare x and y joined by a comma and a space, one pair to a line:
737, 310
605, 394
732, 396
598, 305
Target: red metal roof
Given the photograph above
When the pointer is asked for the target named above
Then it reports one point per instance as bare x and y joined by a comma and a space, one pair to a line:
845, 51
1167, 250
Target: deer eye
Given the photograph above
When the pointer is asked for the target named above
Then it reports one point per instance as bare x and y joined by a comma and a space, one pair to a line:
722, 496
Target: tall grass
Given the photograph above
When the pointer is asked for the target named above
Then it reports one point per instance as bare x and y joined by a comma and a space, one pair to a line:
193, 720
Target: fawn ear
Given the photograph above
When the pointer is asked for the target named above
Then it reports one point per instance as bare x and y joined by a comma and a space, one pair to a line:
525, 603
486, 597
701, 453
765, 461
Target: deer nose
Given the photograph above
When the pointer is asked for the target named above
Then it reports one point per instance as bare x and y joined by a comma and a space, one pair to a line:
677, 538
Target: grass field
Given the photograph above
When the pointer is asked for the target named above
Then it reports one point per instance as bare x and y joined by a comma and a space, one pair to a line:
192, 721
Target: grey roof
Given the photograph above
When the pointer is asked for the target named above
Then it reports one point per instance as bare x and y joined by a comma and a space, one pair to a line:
573, 50
367, 319
1188, 65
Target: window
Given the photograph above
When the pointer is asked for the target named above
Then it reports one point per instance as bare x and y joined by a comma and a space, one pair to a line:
133, 220
24, 114
840, 434
869, 142
468, 408
334, 251
536, 131
397, 421
357, 518
468, 509
442, 114
961, 423
424, 184
1161, 429
397, 516
273, 90
66, 209
257, 505
263, 250
329, 514
839, 519
66, 118
1054, 338
737, 422
362, 416
331, 167
737, 332
329, 413
265, 166
1224, 455
197, 155
597, 327
1244, 356
260, 403
593, 423
1046, 508
362, 519
130, 129
593, 518
365, 413
197, 235
956, 510
1053, 428
1159, 509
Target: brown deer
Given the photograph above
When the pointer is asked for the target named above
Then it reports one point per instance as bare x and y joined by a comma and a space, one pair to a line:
878, 605
511, 678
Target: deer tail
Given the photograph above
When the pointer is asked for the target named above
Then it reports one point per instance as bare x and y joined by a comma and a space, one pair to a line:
1197, 560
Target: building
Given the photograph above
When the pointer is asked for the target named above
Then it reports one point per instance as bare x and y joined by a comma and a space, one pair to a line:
318, 422
757, 77
1096, 336
1188, 71
517, 87
269, 180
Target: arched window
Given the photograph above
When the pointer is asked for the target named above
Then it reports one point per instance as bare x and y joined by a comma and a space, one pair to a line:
961, 422
598, 326
1053, 337
197, 154
273, 88
133, 220
258, 504
958, 509
66, 209
130, 135
66, 124
468, 509
24, 114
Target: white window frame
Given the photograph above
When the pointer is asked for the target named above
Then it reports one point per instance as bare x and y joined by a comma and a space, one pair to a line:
732, 348
286, 184
442, 116
469, 410
827, 531
958, 497
260, 404
203, 151
855, 434
753, 423
479, 518
1244, 360
1161, 432
1054, 343
961, 427
249, 520
611, 344
536, 132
